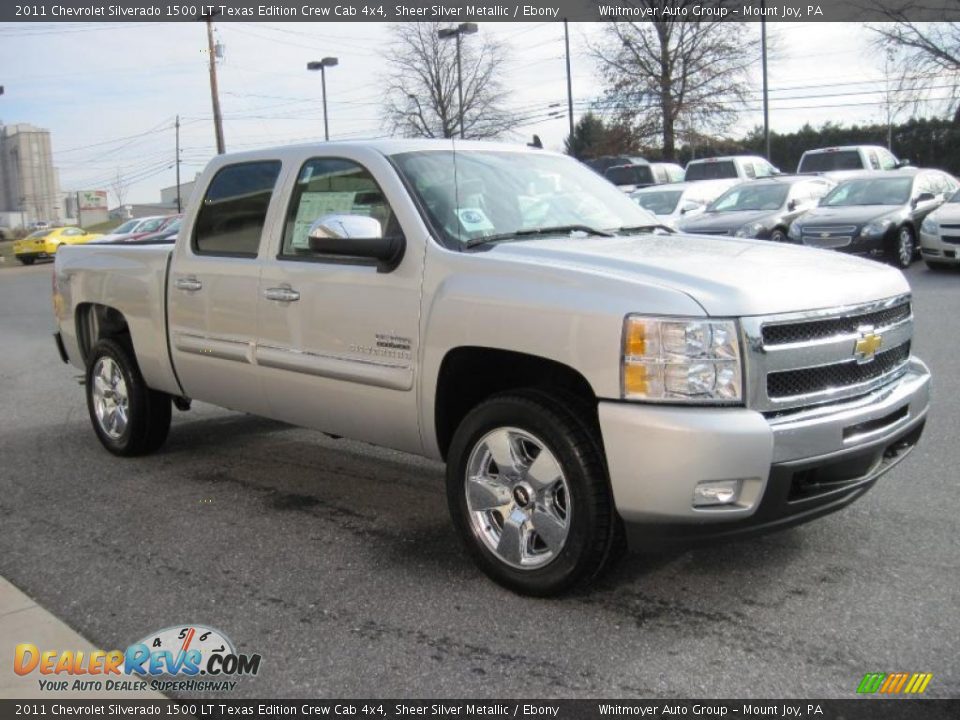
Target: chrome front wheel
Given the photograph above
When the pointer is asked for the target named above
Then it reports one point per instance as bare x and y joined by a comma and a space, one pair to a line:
905, 247
518, 498
528, 491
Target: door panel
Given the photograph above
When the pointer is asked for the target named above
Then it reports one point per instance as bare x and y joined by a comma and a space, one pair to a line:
213, 287
341, 356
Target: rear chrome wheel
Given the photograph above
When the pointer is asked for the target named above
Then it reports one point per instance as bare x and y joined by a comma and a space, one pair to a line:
111, 401
128, 417
518, 498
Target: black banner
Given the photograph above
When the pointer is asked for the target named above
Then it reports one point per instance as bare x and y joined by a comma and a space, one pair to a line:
358, 709
456, 11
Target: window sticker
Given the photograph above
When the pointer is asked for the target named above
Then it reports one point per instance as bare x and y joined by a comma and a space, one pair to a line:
474, 220
313, 206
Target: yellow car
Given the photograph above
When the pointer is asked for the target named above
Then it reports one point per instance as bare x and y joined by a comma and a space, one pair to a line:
44, 243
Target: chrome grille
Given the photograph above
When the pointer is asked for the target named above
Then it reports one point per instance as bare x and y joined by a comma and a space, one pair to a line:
794, 383
817, 329
828, 236
797, 360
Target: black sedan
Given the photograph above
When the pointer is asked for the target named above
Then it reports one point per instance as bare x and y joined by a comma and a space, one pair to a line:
876, 212
760, 209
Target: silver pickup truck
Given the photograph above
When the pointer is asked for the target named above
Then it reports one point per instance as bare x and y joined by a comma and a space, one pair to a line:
592, 379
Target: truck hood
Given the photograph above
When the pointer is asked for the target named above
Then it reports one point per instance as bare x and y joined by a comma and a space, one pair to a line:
726, 276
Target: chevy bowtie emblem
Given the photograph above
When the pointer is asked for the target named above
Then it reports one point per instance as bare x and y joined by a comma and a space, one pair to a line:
867, 344
824, 234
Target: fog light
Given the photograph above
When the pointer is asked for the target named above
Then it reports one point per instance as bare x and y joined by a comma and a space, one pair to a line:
716, 492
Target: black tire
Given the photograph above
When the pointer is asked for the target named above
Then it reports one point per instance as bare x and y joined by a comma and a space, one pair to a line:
27, 260
903, 248
147, 411
778, 235
592, 536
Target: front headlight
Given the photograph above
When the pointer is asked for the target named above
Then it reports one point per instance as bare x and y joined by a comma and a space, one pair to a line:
876, 227
930, 226
751, 230
679, 360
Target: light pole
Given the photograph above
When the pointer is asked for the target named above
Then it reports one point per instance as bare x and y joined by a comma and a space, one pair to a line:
321, 65
457, 32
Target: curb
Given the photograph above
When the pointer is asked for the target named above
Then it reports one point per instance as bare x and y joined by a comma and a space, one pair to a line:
22, 620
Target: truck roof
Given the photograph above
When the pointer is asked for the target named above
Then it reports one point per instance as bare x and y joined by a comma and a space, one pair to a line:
386, 146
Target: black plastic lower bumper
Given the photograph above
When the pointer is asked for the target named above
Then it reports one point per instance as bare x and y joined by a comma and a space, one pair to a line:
796, 492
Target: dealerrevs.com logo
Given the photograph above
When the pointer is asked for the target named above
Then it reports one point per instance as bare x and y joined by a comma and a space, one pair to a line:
186, 658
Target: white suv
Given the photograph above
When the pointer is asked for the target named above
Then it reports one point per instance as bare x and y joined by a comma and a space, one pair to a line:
743, 167
848, 157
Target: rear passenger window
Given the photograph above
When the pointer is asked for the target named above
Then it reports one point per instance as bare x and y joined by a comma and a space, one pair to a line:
749, 170
333, 186
234, 210
874, 162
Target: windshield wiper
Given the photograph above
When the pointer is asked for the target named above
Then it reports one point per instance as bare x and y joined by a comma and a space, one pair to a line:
518, 234
645, 228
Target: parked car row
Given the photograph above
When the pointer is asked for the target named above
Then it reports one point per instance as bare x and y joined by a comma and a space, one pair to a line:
632, 173
864, 213
44, 243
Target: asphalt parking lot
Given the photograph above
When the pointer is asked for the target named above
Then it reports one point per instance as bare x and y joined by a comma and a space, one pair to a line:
338, 564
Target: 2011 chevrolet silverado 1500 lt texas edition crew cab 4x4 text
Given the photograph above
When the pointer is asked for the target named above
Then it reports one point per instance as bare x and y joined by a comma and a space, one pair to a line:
586, 374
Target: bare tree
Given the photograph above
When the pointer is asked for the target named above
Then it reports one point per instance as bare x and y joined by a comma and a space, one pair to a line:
421, 98
926, 55
119, 186
666, 74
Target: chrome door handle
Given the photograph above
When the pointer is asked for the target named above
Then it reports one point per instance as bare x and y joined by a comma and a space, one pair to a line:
190, 284
281, 294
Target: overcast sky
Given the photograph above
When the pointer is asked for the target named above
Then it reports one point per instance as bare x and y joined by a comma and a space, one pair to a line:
109, 92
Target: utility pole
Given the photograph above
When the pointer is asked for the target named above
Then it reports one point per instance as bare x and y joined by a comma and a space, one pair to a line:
177, 126
214, 93
766, 96
566, 39
79, 221
321, 65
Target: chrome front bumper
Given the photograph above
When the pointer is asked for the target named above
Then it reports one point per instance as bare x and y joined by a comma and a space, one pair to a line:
793, 466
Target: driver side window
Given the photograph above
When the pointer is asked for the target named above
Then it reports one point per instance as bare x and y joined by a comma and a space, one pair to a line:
328, 186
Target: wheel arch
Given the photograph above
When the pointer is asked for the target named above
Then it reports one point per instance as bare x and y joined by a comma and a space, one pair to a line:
94, 322
469, 375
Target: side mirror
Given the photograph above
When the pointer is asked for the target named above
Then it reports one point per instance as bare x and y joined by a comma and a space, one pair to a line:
689, 206
793, 205
358, 237
922, 198
902, 163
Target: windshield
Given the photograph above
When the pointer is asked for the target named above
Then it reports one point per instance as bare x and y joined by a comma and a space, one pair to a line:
39, 234
659, 202
751, 197
827, 161
630, 175
127, 227
711, 170
474, 194
870, 191
151, 225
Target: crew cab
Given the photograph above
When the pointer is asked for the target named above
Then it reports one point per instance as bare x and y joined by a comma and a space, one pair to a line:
588, 375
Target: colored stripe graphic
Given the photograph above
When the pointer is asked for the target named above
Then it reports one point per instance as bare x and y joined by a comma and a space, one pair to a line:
894, 683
